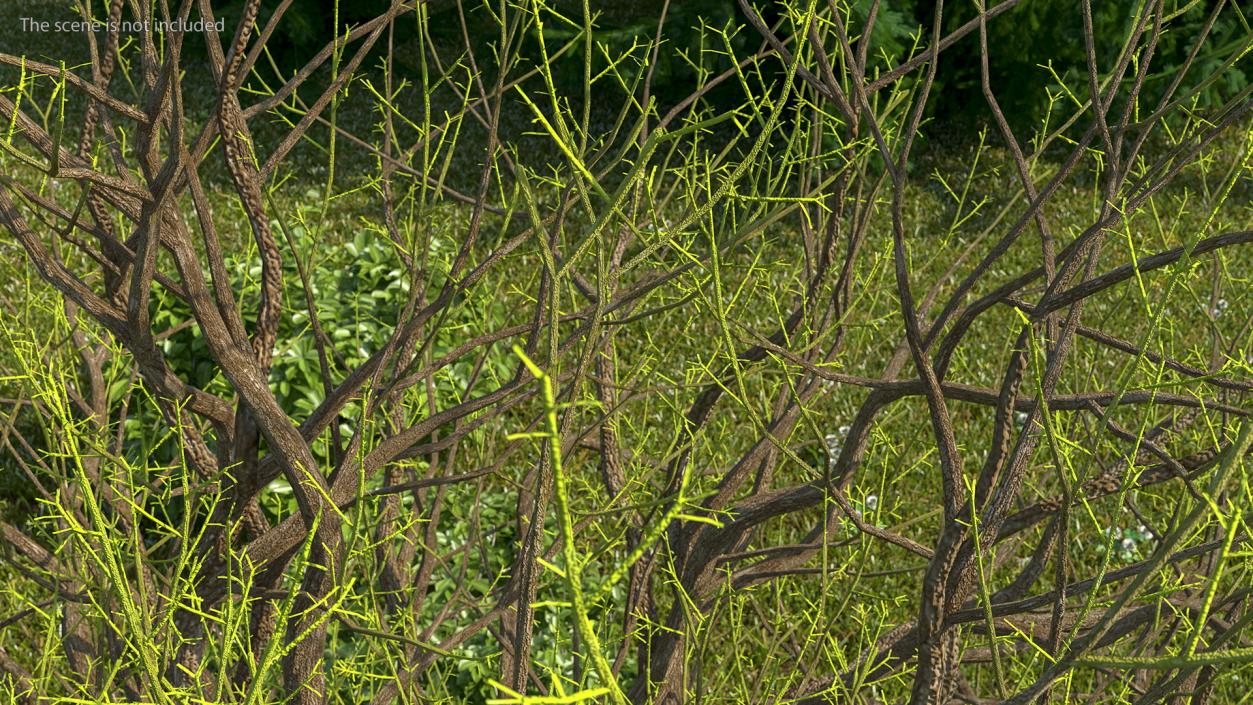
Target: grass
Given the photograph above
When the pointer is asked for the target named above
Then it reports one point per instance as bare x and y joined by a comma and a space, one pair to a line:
898, 469
875, 579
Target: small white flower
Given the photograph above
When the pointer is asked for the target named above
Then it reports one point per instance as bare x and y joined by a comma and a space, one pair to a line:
835, 444
1021, 417
872, 502
1128, 546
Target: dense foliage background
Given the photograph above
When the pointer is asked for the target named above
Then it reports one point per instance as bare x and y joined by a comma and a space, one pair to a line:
1047, 37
